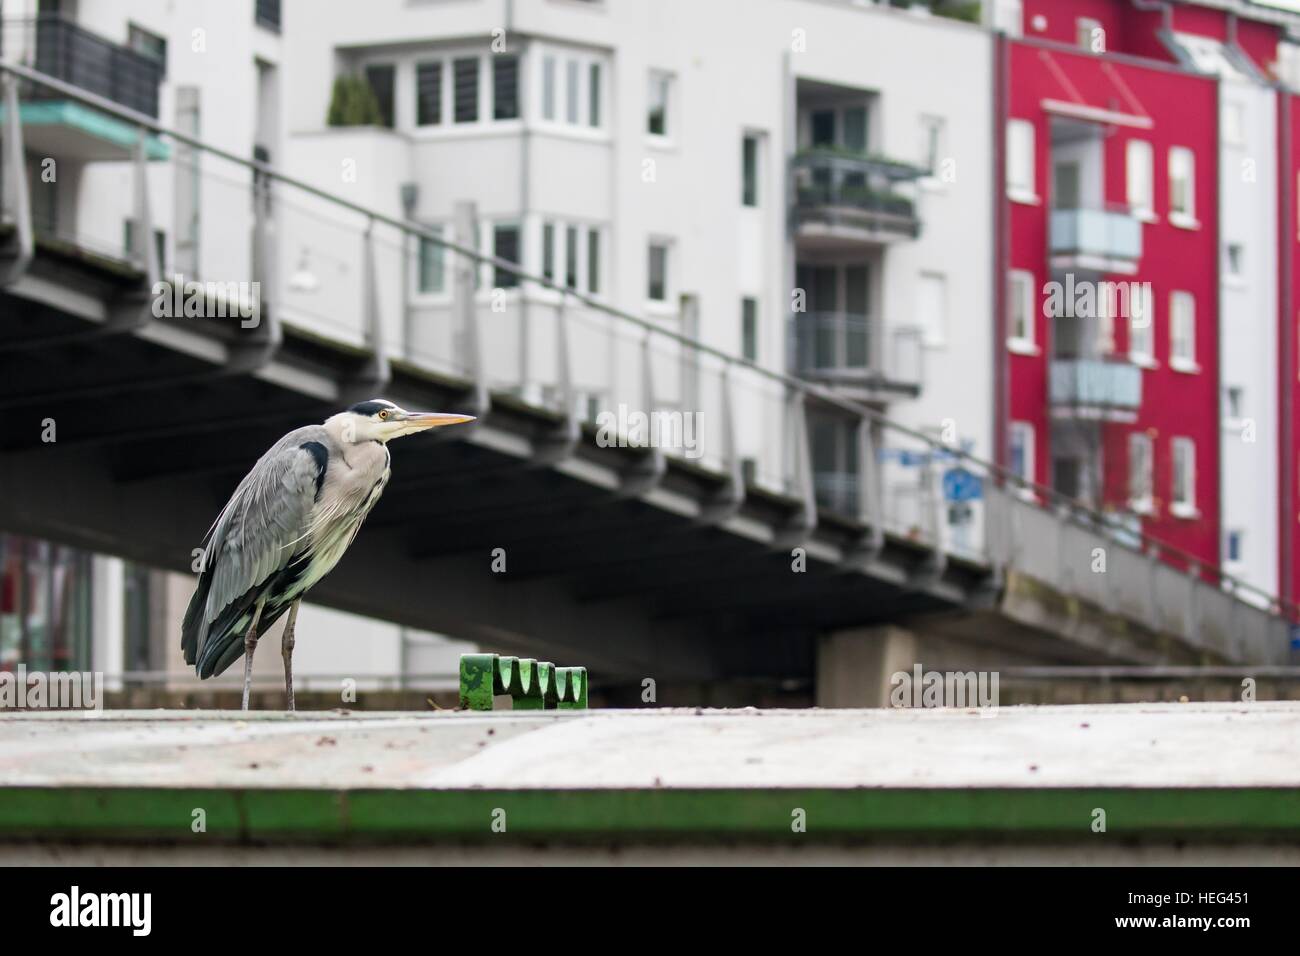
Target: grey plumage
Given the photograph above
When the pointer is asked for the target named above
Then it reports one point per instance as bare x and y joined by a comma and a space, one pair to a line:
288, 523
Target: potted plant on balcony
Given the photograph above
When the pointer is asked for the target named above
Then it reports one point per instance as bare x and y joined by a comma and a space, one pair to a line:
353, 103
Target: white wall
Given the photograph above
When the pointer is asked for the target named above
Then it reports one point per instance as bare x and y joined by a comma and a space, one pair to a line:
1248, 346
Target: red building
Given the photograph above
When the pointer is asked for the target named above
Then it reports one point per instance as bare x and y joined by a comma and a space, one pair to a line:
1121, 126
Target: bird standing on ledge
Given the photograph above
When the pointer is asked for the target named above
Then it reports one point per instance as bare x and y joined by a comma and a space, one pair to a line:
285, 527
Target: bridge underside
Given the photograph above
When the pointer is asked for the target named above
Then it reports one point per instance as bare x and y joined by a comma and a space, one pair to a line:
154, 421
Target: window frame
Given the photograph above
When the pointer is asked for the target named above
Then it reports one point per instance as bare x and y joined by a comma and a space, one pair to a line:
1180, 331
664, 302
1022, 344
1139, 154
1184, 218
668, 81
418, 293
1182, 447
1027, 191
1141, 487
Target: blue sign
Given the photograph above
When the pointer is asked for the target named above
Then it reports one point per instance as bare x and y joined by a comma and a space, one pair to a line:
962, 485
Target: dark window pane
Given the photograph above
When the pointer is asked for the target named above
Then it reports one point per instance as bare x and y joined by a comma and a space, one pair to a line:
466, 87
571, 257
431, 266
749, 171
749, 329
593, 87
380, 78
855, 129
593, 260
658, 285
823, 128
548, 250
428, 94
657, 113
505, 87
505, 246
571, 93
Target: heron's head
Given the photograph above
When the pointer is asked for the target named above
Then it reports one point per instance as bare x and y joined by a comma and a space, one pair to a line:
380, 420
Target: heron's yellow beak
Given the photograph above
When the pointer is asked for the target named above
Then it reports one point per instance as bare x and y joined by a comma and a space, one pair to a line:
422, 420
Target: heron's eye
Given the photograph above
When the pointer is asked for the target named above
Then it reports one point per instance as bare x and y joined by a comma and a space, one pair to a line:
383, 415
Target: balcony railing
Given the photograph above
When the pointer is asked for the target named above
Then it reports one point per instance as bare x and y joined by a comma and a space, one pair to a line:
68, 52
1096, 384
830, 343
846, 190
1099, 233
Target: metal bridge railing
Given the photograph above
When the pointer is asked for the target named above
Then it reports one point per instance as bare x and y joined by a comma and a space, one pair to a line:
400, 288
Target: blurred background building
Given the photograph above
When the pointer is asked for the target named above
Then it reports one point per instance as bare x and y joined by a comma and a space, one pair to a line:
873, 197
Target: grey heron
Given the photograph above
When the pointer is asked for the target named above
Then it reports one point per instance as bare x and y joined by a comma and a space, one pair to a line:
285, 527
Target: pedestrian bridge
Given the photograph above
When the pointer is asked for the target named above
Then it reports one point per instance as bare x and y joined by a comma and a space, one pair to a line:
133, 400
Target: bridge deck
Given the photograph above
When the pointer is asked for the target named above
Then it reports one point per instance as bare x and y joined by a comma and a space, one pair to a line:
1222, 773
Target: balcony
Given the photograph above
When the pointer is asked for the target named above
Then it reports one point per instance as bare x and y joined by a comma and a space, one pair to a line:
845, 199
1100, 240
1095, 389
56, 126
837, 348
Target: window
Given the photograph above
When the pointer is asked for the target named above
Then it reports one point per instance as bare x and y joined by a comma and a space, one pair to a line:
931, 142
428, 93
1020, 160
657, 108
1138, 166
1232, 124
380, 77
855, 129
548, 88
465, 74
1021, 450
1141, 327
148, 44
749, 171
749, 329
593, 261
1233, 403
1090, 35
657, 277
932, 308
1021, 330
505, 245
1184, 478
593, 95
571, 86
430, 273
505, 86
571, 256
548, 250
1232, 545
1182, 331
1140, 471
822, 128
1234, 260
1182, 198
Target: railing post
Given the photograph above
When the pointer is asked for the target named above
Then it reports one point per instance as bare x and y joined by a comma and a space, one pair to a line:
16, 198
466, 284
801, 476
145, 251
871, 505
937, 561
377, 372
647, 473
560, 442
732, 495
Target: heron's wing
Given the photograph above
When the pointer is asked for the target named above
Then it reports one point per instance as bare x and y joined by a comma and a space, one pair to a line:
265, 524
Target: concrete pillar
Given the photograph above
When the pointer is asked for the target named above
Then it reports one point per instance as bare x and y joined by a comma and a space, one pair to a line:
108, 624
854, 666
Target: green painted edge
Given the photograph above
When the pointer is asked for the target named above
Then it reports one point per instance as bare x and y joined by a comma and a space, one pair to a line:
159, 813
89, 121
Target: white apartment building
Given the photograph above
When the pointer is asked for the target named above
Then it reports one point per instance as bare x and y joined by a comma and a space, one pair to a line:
785, 180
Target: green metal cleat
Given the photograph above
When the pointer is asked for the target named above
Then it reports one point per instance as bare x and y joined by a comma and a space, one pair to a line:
531, 685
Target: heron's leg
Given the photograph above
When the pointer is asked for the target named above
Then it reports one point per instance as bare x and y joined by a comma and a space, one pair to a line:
250, 645
286, 648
